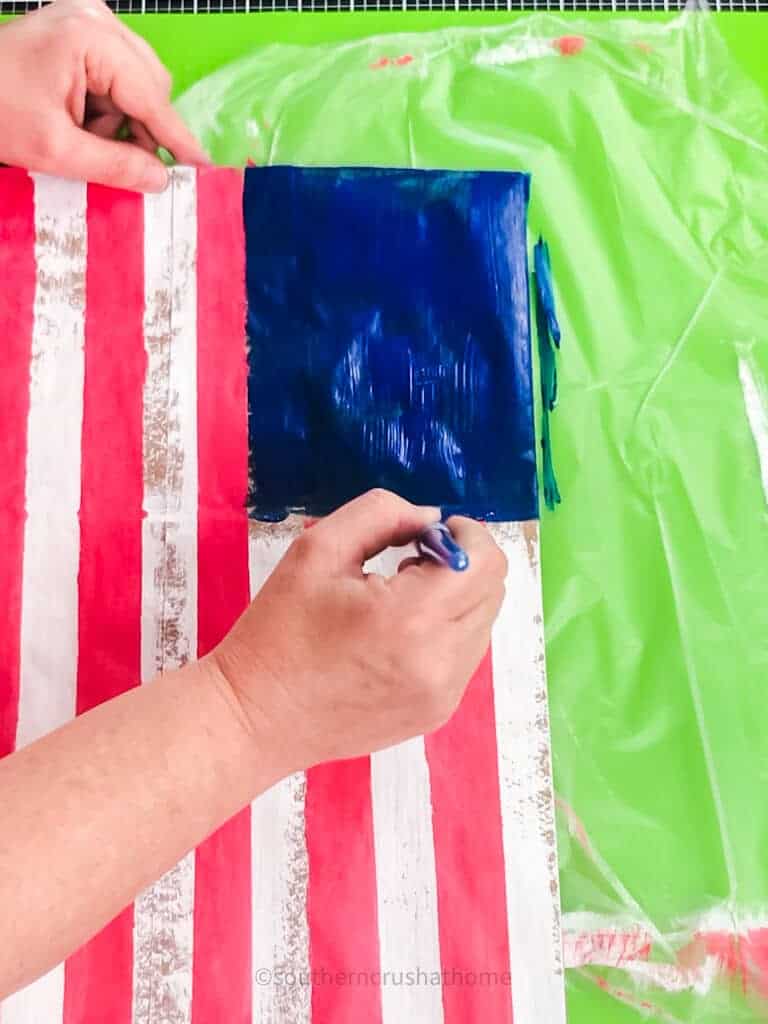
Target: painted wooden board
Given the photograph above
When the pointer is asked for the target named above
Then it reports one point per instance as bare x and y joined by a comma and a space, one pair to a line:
416, 885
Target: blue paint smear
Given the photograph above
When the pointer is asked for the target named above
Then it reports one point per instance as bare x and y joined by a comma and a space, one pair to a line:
548, 335
389, 340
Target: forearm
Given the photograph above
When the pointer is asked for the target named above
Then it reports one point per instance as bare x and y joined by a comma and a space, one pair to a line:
98, 810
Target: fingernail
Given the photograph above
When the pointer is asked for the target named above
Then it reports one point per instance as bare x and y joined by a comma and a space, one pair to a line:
157, 180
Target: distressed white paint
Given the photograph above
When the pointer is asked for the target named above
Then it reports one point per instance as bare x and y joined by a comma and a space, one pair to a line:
54, 434
163, 920
406, 882
525, 776
590, 938
279, 867
48, 677
756, 402
406, 876
42, 1001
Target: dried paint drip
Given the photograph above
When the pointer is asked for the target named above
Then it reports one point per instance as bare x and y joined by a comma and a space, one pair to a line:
741, 955
389, 338
548, 333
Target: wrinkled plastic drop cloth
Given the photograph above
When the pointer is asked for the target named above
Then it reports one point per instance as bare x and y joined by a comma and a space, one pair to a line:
649, 159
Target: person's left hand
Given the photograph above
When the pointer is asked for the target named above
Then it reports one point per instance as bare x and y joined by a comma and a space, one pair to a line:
72, 79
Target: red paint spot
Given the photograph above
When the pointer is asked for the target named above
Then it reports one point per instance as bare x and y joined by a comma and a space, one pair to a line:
569, 46
757, 957
625, 997
741, 956
251, 163
643, 47
400, 62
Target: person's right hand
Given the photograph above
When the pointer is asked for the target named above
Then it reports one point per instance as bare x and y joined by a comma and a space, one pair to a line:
332, 663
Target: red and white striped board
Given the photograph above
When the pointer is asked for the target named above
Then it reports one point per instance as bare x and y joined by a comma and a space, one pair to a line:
417, 885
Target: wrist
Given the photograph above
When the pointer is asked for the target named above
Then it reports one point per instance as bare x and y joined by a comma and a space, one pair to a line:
261, 749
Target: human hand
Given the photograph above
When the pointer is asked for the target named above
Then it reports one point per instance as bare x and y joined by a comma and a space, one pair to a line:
331, 663
72, 77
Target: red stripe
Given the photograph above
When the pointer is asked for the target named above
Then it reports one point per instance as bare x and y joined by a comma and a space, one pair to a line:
17, 281
99, 978
341, 898
222, 986
469, 859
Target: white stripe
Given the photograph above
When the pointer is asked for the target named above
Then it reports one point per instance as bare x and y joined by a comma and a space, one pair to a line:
525, 776
163, 918
52, 530
406, 878
756, 402
279, 866
42, 1001
52, 534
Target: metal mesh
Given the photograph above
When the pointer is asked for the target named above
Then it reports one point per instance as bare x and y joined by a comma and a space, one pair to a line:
255, 6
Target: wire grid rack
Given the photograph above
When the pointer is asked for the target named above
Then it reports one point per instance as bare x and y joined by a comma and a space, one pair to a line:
257, 6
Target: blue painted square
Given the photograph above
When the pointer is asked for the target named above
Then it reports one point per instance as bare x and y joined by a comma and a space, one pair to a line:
389, 340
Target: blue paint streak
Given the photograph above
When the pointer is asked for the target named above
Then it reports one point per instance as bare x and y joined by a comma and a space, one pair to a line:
548, 335
545, 290
389, 340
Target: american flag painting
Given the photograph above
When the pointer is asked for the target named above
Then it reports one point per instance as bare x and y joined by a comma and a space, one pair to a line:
418, 885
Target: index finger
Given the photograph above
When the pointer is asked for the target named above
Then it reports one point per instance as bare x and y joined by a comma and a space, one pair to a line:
138, 93
369, 524
166, 125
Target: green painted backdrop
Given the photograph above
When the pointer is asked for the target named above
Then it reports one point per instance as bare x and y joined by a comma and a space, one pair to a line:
194, 47
650, 185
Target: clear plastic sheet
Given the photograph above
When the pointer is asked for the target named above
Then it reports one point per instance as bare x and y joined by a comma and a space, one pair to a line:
649, 159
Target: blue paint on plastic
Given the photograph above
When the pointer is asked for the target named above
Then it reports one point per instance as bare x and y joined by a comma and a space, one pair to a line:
389, 340
543, 270
548, 336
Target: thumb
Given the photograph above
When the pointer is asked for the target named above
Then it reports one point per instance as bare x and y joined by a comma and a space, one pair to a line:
369, 524
87, 157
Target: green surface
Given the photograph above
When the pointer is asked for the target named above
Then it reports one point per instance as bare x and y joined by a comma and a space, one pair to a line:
195, 47
649, 176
